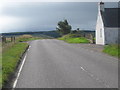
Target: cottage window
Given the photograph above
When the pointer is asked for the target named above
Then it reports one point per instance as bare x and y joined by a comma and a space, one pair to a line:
101, 33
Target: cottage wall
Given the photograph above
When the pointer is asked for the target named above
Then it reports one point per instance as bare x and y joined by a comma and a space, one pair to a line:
111, 35
100, 30
106, 33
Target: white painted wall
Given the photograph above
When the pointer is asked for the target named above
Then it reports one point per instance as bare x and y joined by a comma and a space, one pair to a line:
100, 30
105, 35
111, 35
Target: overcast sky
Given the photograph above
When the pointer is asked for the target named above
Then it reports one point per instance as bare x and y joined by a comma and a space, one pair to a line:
44, 16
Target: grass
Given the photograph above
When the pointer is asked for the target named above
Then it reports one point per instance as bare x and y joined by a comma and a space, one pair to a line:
72, 38
112, 50
10, 59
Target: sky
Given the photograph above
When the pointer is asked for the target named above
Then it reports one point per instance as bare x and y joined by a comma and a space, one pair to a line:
44, 16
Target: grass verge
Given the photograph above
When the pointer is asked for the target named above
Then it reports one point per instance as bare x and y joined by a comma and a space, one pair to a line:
10, 55
10, 59
112, 50
71, 38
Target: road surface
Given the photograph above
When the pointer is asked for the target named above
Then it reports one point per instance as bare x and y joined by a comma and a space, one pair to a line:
53, 63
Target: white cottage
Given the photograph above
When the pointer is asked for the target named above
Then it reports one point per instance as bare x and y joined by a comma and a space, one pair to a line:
107, 25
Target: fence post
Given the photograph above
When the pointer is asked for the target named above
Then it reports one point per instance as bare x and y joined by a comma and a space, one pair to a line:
4, 39
14, 39
11, 39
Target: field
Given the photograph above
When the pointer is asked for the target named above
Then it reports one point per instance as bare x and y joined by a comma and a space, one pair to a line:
25, 38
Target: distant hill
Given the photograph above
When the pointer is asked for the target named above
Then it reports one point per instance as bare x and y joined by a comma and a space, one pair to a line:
52, 34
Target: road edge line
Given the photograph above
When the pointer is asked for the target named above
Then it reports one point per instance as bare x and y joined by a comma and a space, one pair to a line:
19, 71
15, 82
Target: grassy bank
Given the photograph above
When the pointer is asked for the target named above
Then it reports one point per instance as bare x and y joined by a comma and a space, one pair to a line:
112, 50
72, 38
10, 59
11, 53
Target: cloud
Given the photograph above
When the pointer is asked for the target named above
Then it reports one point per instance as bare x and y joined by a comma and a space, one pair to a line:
34, 16
8, 23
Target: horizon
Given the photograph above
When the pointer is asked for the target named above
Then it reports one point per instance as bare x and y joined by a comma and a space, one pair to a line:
40, 31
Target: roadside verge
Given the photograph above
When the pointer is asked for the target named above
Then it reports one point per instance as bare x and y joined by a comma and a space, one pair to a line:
11, 61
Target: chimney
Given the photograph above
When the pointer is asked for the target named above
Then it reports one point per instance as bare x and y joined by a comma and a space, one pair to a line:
101, 6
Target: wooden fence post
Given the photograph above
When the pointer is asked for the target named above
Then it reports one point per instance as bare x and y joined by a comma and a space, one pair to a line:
3, 39
14, 39
11, 39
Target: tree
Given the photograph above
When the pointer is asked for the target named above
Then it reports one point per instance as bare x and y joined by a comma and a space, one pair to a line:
78, 29
63, 27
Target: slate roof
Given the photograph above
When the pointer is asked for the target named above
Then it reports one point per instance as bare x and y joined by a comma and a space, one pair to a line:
111, 17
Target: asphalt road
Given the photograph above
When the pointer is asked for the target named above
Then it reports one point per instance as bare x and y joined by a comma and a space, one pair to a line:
53, 63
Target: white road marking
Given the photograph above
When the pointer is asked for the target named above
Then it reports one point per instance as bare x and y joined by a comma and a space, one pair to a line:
91, 75
29, 48
82, 68
15, 83
96, 78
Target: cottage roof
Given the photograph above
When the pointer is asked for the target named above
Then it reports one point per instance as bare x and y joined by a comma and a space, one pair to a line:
110, 17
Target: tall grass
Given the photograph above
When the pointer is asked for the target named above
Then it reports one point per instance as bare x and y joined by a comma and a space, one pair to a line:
24, 38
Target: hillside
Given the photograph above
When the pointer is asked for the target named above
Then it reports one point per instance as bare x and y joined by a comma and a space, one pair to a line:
48, 34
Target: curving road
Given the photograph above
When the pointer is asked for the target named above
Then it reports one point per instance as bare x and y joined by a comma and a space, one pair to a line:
53, 63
